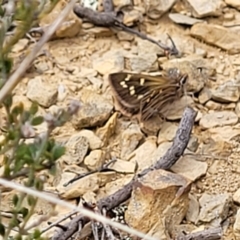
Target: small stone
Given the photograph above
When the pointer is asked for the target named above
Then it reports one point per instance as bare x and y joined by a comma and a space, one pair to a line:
44, 94
226, 93
236, 196
167, 132
204, 96
233, 3
143, 63
20, 45
193, 209
94, 141
121, 166
214, 208
183, 19
143, 155
76, 149
205, 8
213, 35
216, 119
95, 110
124, 36
110, 62
190, 168
95, 160
155, 9
130, 139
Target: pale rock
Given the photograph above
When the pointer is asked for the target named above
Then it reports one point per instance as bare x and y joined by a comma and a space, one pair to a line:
105, 132
95, 110
121, 3
237, 109
143, 155
156, 8
167, 132
124, 36
110, 62
190, 168
94, 141
193, 209
233, 3
218, 36
206, 8
214, 209
69, 28
183, 19
143, 63
216, 119
87, 72
76, 149
160, 151
43, 93
122, 166
64, 178
94, 160
80, 187
20, 45
160, 197
213, 105
130, 139
204, 96
236, 196
146, 47
236, 226
193, 144
131, 17
226, 93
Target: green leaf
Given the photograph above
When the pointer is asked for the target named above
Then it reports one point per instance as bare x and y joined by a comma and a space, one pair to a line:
24, 212
2, 230
17, 110
57, 152
31, 200
36, 233
34, 108
15, 200
37, 120
8, 101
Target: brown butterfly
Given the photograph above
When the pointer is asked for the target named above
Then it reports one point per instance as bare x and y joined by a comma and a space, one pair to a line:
146, 95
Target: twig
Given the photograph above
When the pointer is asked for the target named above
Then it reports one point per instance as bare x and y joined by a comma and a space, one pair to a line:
208, 234
15, 78
112, 19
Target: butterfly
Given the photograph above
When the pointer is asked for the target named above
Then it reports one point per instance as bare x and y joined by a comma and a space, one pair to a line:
146, 95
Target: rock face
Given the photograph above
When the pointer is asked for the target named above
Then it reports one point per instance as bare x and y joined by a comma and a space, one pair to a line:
158, 197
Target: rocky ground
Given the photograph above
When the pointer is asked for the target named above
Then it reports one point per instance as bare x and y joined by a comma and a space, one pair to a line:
75, 65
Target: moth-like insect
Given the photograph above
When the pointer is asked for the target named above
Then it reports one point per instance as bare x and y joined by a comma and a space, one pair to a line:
145, 95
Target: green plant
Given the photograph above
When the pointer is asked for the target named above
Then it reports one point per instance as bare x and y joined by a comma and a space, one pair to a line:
25, 153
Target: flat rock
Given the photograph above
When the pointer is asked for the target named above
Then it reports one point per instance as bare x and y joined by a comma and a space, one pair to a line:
183, 19
76, 149
130, 139
94, 141
122, 166
43, 93
110, 62
143, 155
214, 208
95, 110
226, 93
206, 8
217, 119
154, 198
193, 209
233, 3
218, 36
167, 132
236, 196
95, 159
190, 168
204, 96
155, 9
